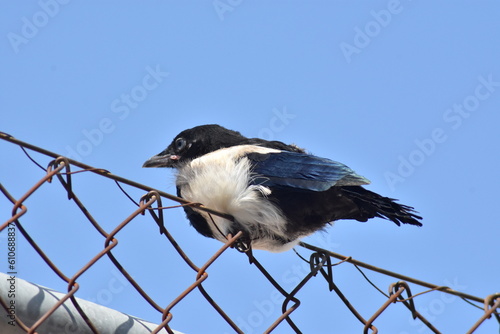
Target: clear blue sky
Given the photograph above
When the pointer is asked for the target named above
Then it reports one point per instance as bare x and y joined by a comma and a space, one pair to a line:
407, 93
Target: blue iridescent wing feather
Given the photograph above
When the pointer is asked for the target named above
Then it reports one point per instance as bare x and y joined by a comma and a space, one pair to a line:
303, 171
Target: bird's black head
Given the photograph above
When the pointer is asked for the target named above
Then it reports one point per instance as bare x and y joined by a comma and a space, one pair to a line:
193, 143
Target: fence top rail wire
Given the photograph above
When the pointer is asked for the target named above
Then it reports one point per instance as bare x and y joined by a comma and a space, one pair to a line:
490, 303
393, 274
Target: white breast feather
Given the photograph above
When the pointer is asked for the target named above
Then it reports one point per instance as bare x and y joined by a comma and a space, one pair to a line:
219, 180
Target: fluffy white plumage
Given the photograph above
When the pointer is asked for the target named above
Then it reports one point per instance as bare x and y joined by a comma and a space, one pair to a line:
220, 180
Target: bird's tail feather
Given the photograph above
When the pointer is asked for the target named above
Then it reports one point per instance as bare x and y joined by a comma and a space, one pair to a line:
373, 205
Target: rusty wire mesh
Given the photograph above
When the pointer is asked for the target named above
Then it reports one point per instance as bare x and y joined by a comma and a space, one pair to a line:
321, 261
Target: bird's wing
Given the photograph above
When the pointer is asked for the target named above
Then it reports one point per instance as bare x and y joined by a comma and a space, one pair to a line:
301, 170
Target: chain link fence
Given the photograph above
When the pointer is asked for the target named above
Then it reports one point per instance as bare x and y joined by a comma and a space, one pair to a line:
153, 203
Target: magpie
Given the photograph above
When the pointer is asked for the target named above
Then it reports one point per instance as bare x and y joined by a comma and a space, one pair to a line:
277, 193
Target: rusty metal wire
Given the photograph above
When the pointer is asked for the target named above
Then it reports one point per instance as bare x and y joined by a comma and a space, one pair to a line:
320, 261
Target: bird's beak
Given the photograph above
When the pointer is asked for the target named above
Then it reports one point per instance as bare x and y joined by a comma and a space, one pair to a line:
160, 160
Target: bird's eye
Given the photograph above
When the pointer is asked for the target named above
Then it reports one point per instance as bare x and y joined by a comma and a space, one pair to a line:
180, 144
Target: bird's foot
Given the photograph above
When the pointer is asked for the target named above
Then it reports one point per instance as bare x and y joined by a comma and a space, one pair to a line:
243, 244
